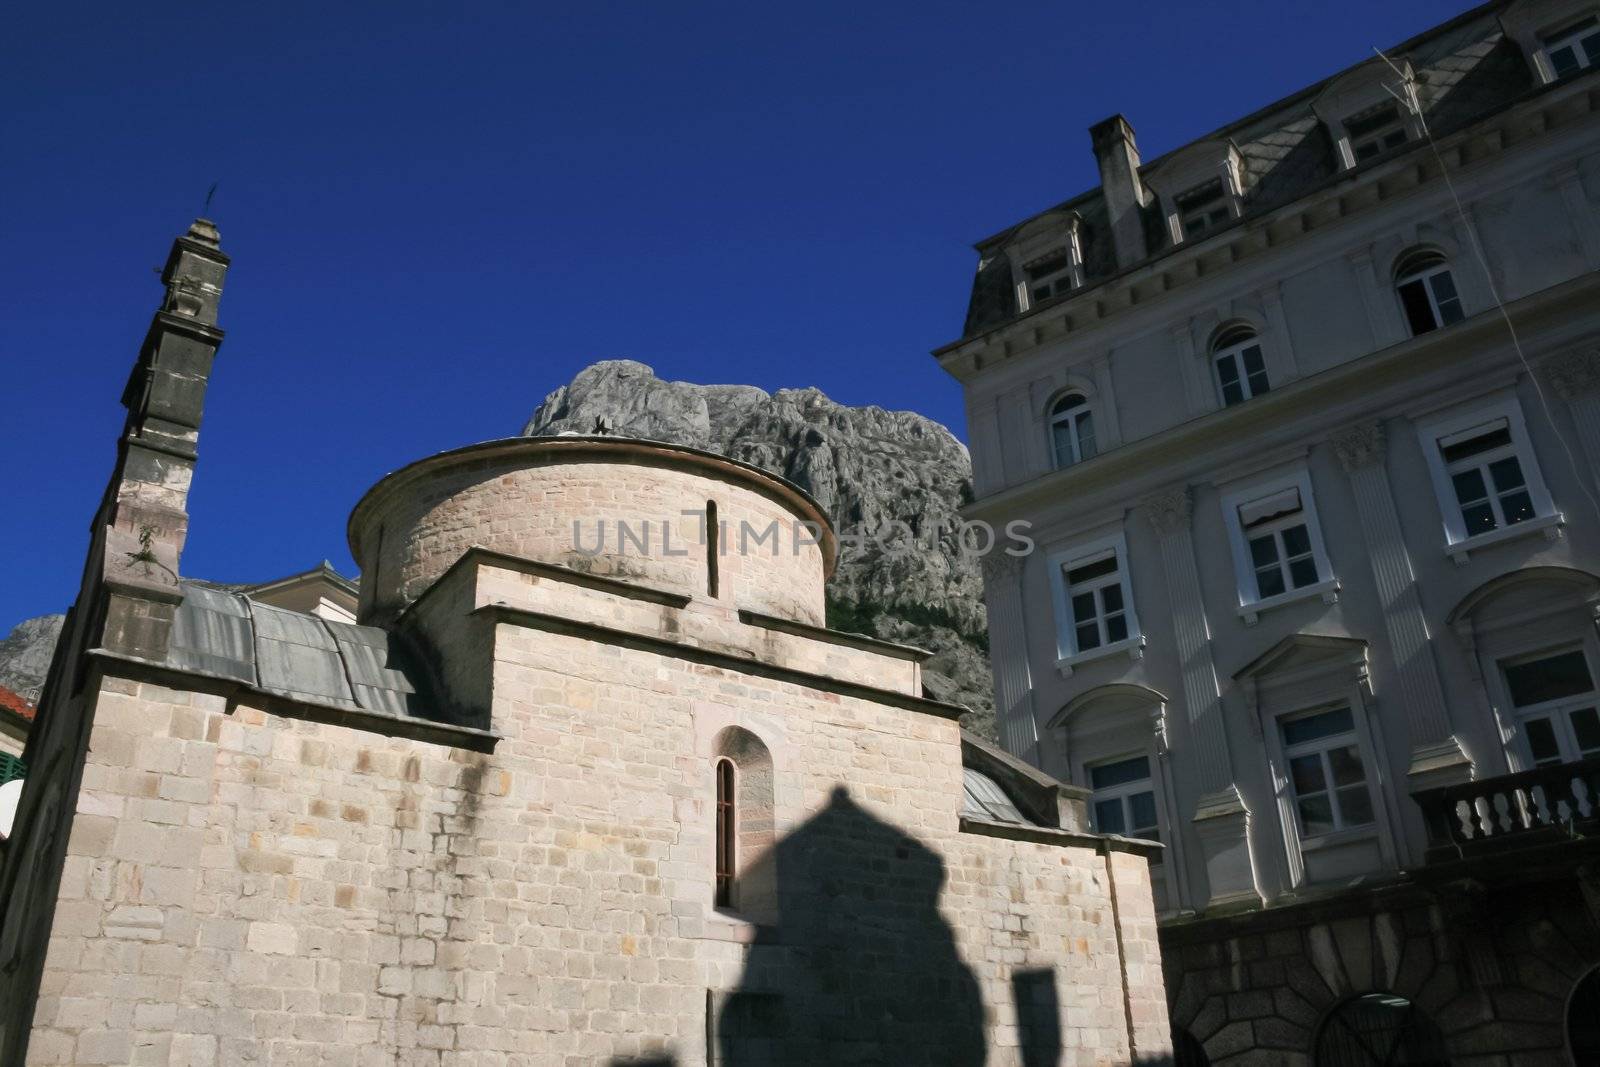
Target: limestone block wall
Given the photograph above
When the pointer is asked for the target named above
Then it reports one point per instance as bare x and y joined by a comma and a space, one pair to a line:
246, 888
561, 501
703, 623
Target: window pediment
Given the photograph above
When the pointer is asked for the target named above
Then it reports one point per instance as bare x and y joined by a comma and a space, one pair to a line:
1539, 27
1363, 110
1200, 187
1302, 660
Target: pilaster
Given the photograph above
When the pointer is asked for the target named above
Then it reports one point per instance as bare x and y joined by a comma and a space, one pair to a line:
1008, 643
1436, 755
1568, 180
1222, 822
1281, 350
1575, 377
1383, 314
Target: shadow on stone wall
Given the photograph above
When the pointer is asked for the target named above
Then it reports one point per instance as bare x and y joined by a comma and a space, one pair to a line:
1038, 1017
861, 967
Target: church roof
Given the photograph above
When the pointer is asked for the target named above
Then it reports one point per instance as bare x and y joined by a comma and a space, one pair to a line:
226, 634
984, 799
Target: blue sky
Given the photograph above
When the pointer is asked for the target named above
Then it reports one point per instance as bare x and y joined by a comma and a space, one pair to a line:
438, 213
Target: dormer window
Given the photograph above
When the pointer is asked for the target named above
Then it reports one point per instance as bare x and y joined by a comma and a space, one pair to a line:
1574, 49
1046, 259
1376, 131
1202, 209
1048, 276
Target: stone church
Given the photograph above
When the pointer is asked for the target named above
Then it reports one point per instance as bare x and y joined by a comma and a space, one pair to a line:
552, 798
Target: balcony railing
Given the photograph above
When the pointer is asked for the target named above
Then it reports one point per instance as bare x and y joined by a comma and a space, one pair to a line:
1512, 811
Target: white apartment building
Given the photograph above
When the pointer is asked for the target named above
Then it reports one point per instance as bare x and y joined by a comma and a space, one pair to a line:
1305, 416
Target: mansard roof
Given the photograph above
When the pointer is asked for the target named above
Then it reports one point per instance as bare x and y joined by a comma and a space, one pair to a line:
1466, 69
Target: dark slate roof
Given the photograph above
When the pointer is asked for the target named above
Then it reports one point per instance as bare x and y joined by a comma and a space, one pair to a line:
984, 799
1466, 70
226, 634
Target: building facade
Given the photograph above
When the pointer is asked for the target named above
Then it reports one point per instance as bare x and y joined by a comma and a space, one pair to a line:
552, 800
1305, 418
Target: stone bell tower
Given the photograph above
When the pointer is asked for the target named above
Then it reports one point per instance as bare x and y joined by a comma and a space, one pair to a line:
126, 604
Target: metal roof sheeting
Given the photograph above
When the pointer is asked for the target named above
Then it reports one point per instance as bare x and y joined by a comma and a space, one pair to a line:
302, 657
986, 800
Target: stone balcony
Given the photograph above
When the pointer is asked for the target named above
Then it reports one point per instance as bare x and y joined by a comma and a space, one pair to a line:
1513, 812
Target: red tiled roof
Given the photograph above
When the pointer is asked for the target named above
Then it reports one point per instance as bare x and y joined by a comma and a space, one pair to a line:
16, 704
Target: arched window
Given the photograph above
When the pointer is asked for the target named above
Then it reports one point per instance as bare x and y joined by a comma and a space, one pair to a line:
745, 827
1379, 1030
727, 832
1427, 291
1241, 370
1072, 430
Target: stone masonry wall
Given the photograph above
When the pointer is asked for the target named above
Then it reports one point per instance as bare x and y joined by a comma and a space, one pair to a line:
527, 506
244, 888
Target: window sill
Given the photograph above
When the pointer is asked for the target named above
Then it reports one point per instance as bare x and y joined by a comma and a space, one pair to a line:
1550, 525
1354, 835
1132, 647
1328, 591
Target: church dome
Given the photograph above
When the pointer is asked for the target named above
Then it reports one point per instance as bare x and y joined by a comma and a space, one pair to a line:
621, 508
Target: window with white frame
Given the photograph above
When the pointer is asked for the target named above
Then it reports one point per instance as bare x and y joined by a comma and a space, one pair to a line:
1327, 774
1093, 600
1050, 275
1071, 430
1277, 544
1278, 537
1574, 49
1486, 477
1241, 369
1376, 131
1124, 798
1203, 208
1427, 292
1099, 606
1553, 698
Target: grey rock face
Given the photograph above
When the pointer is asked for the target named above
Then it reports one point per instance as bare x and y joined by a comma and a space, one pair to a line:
875, 472
25, 655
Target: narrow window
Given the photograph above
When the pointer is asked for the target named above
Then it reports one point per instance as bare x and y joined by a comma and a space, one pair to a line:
1072, 430
713, 547
1485, 471
1094, 591
1241, 370
1427, 293
1554, 698
727, 828
1202, 209
1124, 800
1574, 49
1374, 132
1326, 772
1279, 538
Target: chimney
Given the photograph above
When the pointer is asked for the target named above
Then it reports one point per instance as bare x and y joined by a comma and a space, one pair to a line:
1118, 156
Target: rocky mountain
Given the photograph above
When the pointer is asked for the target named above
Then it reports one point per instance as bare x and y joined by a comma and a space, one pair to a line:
894, 477
25, 655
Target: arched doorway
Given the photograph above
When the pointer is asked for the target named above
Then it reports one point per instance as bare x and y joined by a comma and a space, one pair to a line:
1583, 1019
1379, 1030
1187, 1051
